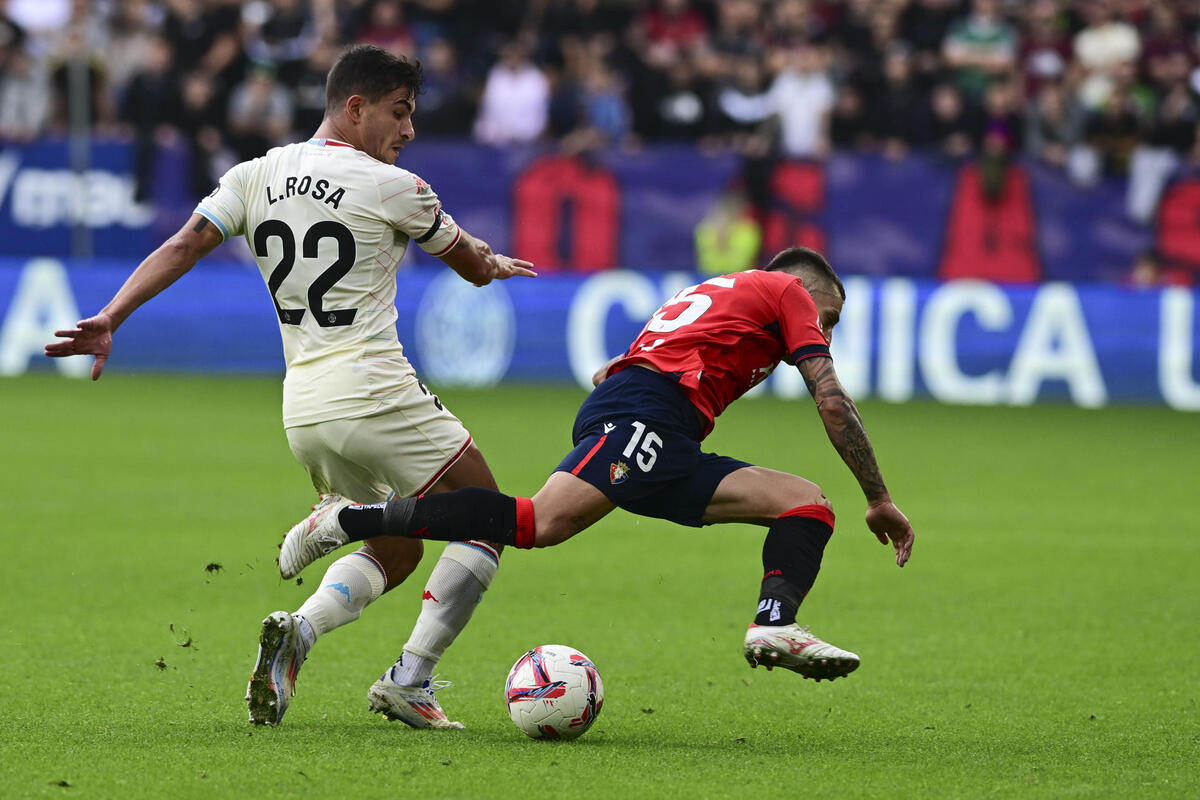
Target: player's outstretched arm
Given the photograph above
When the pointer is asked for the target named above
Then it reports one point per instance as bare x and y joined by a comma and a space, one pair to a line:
845, 429
177, 255
474, 260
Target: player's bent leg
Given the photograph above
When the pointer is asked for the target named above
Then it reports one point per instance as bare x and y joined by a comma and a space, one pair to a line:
406, 691
281, 651
565, 506
799, 522
759, 496
397, 557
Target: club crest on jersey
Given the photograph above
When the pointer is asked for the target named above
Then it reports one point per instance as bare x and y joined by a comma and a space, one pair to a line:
422, 186
618, 472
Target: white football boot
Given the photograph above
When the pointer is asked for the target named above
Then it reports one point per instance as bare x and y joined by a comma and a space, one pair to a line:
415, 706
281, 651
316, 535
794, 647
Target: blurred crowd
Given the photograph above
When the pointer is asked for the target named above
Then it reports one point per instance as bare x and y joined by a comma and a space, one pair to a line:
1094, 87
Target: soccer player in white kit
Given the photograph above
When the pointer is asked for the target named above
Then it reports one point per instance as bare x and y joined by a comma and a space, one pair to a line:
328, 221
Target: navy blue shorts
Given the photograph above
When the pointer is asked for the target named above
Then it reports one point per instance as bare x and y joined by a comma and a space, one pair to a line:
637, 440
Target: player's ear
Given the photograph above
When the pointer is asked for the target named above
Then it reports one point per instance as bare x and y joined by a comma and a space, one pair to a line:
355, 105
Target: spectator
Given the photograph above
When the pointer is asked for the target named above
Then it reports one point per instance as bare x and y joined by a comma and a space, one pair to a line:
852, 35
1170, 136
1149, 270
739, 29
24, 97
225, 64
1052, 124
151, 108
950, 122
432, 19
284, 36
671, 28
566, 23
129, 42
385, 28
260, 113
728, 239
850, 127
744, 101
671, 103
202, 117
791, 22
802, 98
1104, 46
75, 60
1113, 132
190, 30
1166, 59
923, 24
1045, 50
900, 107
979, 49
308, 92
603, 100
883, 33
1000, 137
516, 98
447, 107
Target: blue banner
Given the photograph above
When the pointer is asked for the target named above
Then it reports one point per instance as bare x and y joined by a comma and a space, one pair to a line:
919, 218
899, 338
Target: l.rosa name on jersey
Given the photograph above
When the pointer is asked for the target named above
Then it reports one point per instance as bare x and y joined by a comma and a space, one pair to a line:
318, 190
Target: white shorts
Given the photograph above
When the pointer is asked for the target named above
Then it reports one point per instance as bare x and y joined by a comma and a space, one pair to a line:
405, 449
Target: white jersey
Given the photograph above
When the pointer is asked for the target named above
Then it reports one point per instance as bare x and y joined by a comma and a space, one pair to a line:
328, 225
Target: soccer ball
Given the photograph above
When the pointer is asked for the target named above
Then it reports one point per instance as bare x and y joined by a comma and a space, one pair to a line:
554, 692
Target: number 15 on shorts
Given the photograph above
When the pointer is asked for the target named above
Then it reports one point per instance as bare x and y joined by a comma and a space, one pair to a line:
647, 454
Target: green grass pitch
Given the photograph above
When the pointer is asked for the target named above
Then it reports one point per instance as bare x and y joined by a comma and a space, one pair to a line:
1044, 640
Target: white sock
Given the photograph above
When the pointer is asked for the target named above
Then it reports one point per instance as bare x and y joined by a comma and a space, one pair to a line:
349, 584
455, 587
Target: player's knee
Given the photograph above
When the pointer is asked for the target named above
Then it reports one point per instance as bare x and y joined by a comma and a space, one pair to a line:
811, 496
549, 533
551, 529
398, 557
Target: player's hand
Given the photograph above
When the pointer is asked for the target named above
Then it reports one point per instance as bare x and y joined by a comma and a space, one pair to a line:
889, 524
507, 267
92, 336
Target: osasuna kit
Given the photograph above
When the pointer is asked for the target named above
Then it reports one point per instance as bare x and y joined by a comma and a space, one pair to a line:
328, 226
637, 436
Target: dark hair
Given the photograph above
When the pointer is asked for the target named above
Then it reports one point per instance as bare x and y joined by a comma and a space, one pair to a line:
799, 260
372, 72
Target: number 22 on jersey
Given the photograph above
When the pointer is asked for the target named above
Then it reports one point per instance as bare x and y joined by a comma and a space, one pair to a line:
346, 255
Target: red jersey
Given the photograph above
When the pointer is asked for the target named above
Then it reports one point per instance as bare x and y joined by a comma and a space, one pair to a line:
720, 338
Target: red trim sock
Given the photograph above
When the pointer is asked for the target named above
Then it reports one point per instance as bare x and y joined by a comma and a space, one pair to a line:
791, 560
526, 527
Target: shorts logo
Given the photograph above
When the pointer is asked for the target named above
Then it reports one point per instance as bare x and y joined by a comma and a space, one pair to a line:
618, 472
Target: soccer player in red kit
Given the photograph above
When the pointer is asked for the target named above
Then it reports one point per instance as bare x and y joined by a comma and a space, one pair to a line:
637, 446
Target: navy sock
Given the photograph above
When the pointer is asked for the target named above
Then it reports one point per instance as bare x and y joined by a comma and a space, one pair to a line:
362, 522
791, 560
470, 513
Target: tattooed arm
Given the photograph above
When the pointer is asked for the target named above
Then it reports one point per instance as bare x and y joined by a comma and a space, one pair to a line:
845, 429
